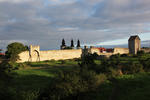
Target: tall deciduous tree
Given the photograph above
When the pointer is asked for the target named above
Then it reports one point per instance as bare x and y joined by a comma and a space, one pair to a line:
14, 49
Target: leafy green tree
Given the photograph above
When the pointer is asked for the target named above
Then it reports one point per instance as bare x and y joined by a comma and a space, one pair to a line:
14, 49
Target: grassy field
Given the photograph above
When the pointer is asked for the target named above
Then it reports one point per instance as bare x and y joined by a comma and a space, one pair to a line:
27, 81
134, 87
126, 87
38, 75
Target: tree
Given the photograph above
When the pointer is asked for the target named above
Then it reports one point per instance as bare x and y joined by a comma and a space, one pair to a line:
63, 42
72, 43
78, 43
14, 49
67, 47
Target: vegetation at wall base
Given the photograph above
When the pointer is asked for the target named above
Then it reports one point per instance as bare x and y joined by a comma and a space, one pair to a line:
120, 77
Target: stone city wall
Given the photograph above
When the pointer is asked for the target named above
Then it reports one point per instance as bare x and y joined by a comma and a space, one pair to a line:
24, 56
121, 51
49, 55
60, 54
146, 50
95, 50
37, 55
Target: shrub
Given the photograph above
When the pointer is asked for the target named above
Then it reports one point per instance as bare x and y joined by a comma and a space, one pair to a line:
5, 67
76, 59
94, 55
62, 61
7, 93
116, 56
102, 57
53, 60
124, 55
114, 72
72, 85
141, 52
88, 60
132, 67
29, 95
146, 64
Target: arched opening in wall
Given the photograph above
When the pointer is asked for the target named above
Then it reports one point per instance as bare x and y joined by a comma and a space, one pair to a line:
35, 56
30, 58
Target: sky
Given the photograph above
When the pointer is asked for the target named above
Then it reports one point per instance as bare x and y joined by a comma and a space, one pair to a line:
93, 22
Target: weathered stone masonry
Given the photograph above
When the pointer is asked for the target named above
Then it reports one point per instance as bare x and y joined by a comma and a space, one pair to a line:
34, 54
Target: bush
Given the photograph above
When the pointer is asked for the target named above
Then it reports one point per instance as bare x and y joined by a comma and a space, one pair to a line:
132, 67
102, 57
95, 55
29, 95
7, 94
146, 64
62, 61
5, 67
76, 59
124, 55
114, 72
53, 60
116, 56
69, 85
88, 60
141, 52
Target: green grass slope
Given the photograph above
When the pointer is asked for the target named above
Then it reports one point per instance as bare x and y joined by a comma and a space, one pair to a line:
26, 83
126, 87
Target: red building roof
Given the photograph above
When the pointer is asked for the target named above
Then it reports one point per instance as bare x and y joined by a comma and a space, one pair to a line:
2, 54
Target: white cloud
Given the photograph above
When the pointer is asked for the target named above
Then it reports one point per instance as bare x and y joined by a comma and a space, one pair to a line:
68, 29
60, 2
15, 1
46, 22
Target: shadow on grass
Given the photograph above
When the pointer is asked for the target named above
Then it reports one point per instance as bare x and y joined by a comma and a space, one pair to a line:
36, 78
126, 87
24, 87
39, 65
30, 82
49, 64
132, 87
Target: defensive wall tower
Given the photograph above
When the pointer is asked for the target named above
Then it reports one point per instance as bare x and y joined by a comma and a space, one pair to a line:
34, 53
134, 44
